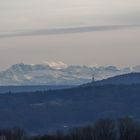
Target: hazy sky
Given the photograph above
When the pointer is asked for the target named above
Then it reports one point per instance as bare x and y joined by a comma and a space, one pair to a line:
33, 31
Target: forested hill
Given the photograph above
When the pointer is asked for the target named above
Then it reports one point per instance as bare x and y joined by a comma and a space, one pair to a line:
42, 112
127, 79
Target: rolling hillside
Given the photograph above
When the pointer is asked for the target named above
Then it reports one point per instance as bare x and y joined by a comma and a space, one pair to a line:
42, 112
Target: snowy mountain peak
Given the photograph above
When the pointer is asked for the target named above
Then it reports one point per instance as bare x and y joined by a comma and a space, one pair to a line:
20, 67
58, 73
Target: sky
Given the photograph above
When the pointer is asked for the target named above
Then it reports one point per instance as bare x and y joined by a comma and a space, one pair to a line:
85, 32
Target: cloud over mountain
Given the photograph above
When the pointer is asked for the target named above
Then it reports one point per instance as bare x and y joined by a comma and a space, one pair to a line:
56, 65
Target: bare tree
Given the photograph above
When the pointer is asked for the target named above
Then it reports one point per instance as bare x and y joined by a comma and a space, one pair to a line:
13, 134
104, 130
128, 129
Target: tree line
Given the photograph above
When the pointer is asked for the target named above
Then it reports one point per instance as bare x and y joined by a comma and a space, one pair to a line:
104, 129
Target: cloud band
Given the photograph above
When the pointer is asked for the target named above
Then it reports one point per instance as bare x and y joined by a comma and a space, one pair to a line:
61, 31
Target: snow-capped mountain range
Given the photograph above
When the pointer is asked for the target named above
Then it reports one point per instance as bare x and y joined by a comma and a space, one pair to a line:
58, 74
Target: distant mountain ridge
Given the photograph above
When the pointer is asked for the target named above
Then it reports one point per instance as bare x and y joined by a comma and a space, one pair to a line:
58, 74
